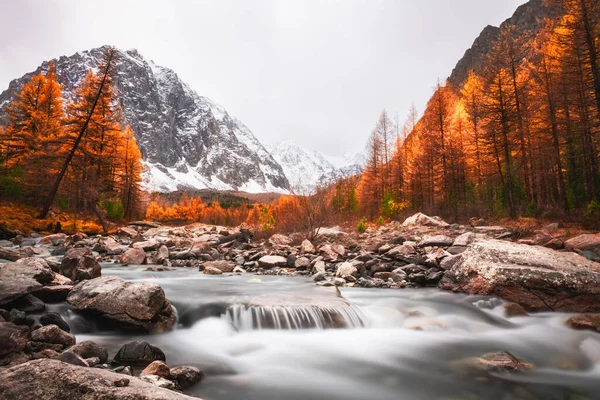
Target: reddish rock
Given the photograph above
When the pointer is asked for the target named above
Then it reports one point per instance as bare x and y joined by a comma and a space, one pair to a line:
157, 368
588, 322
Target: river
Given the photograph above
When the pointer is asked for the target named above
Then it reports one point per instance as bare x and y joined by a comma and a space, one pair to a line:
396, 344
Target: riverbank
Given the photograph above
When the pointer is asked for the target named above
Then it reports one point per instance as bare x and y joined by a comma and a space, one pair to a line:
154, 282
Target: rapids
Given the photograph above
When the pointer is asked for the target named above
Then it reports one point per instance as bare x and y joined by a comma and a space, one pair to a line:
390, 344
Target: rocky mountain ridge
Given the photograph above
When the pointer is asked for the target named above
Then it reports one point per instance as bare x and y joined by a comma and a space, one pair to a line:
187, 141
526, 21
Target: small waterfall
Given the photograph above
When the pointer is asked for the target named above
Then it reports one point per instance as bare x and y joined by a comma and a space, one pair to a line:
285, 317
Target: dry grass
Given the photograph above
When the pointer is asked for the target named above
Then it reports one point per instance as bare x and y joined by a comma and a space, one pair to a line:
22, 218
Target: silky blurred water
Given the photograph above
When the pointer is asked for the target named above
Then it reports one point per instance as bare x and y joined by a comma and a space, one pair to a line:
406, 345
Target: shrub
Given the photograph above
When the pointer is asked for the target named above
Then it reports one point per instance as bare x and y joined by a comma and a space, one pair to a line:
362, 226
593, 209
114, 208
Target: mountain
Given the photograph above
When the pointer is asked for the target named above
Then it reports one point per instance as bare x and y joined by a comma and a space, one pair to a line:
306, 169
526, 22
186, 140
303, 167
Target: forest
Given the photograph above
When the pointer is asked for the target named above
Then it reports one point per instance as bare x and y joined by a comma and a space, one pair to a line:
77, 156
520, 137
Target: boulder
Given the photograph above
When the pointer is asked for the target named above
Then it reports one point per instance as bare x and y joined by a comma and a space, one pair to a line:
147, 245
586, 242
13, 338
496, 362
139, 353
280, 240
127, 232
79, 264
327, 252
16, 280
307, 247
53, 294
302, 263
537, 278
89, 349
34, 268
135, 256
53, 334
53, 318
272, 262
72, 358
186, 376
436, 241
53, 240
140, 306
221, 265
421, 219
588, 322
212, 271
339, 250
27, 303
162, 255
345, 270
52, 379
464, 240
157, 368
19, 317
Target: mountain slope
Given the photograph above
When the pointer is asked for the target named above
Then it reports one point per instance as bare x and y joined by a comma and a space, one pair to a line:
187, 141
526, 22
306, 169
303, 167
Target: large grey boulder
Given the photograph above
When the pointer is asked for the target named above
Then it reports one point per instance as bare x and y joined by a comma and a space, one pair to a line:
79, 264
20, 278
52, 379
140, 306
537, 278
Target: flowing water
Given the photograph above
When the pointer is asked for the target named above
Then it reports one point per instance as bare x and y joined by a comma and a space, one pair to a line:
267, 337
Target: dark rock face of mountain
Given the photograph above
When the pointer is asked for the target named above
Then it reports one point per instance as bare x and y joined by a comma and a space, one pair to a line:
187, 141
526, 21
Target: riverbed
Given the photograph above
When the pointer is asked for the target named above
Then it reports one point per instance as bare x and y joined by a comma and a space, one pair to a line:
395, 344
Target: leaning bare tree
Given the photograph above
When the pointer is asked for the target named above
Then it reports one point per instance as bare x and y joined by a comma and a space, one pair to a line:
106, 67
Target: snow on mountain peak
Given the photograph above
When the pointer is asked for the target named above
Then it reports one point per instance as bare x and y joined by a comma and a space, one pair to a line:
187, 140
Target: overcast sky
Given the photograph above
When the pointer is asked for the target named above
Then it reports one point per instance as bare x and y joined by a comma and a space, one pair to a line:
311, 71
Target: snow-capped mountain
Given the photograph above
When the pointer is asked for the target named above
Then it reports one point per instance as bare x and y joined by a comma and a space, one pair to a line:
187, 141
346, 165
306, 169
303, 167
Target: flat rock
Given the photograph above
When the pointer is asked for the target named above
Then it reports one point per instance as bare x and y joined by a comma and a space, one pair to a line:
437, 240
139, 306
537, 278
272, 261
52, 379
345, 270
